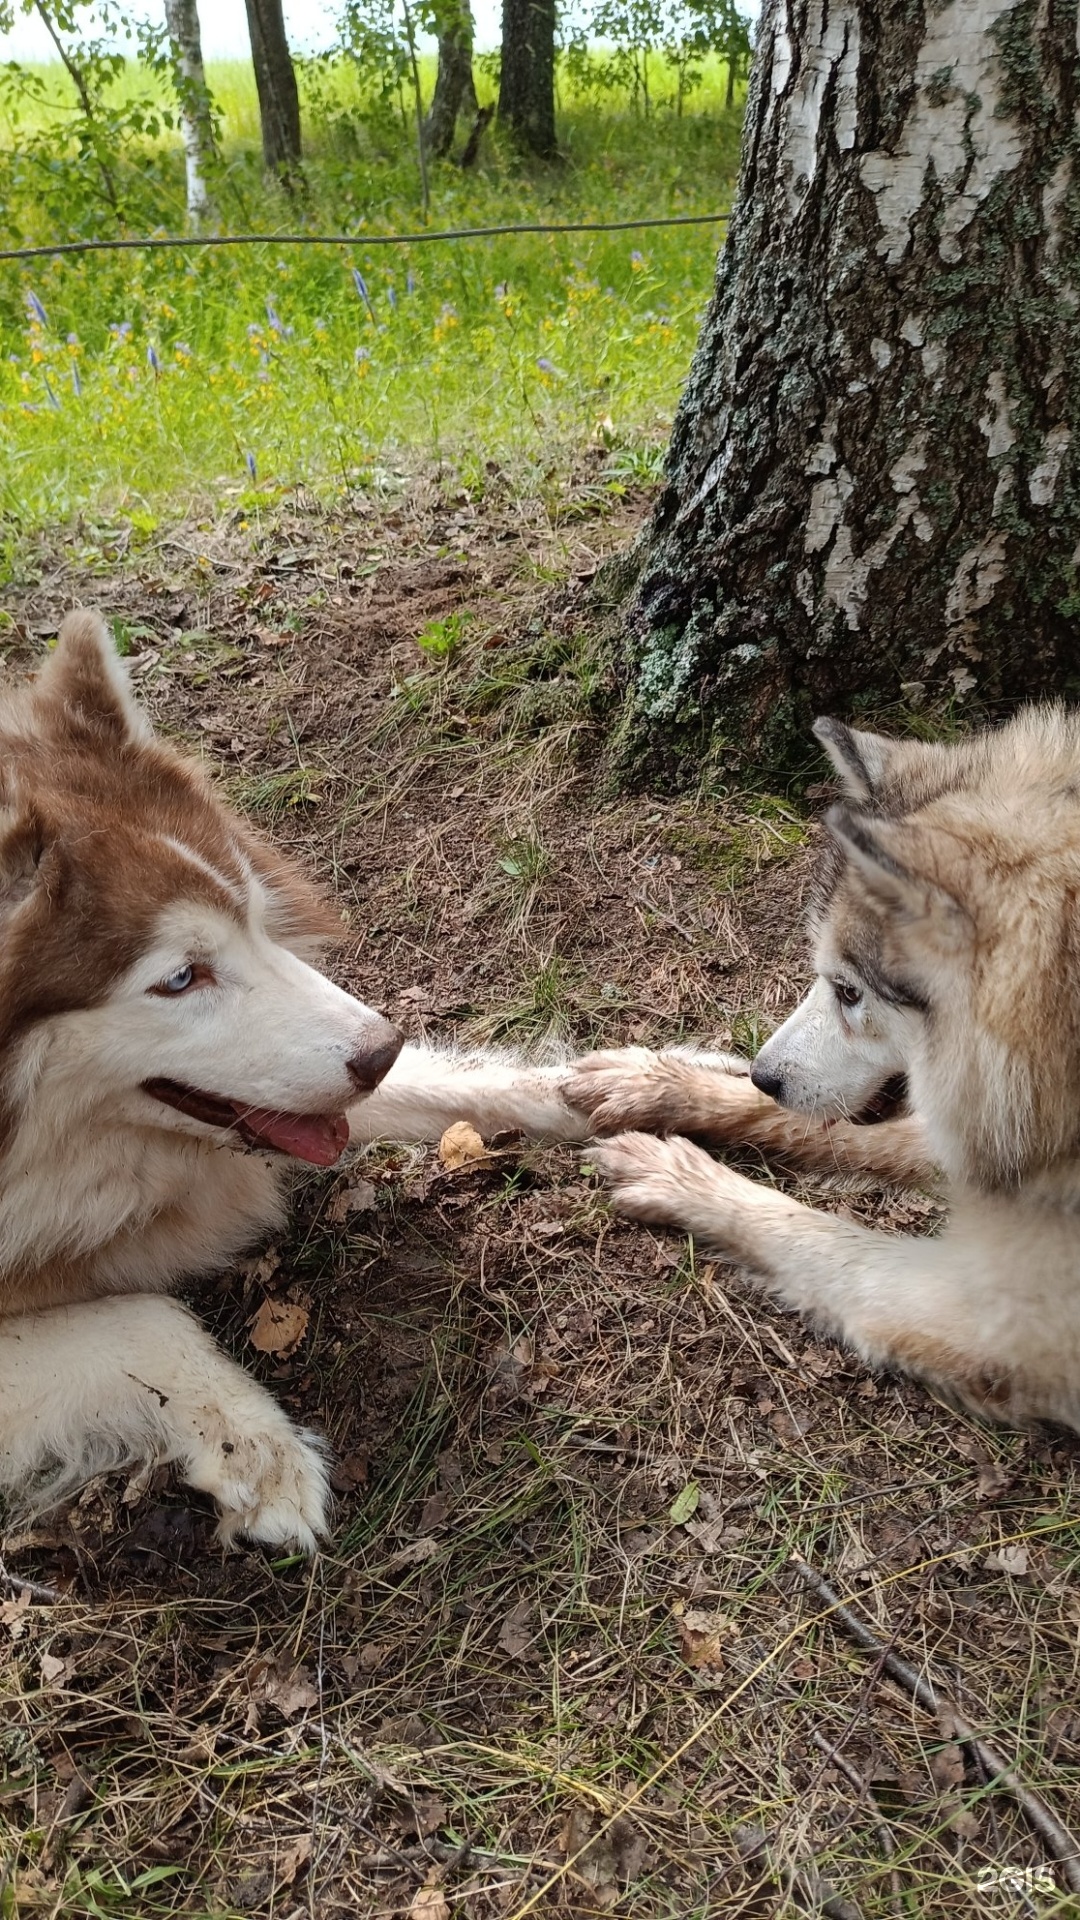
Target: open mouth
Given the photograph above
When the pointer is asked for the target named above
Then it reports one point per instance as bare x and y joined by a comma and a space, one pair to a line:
887, 1102
319, 1138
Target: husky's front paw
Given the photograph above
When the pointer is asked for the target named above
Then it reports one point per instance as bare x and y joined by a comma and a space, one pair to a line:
270, 1483
672, 1092
662, 1181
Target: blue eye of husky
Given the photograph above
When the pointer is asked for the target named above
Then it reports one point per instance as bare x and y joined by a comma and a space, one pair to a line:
180, 981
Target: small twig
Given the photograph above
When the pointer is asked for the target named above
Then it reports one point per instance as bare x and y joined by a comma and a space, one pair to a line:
41, 1596
419, 1856
666, 919
1038, 1815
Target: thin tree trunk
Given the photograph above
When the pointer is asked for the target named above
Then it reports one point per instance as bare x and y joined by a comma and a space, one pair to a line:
527, 79
182, 20
873, 483
455, 90
275, 81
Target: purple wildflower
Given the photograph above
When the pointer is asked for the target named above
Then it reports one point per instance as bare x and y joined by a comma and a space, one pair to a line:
502, 290
249, 462
410, 281
152, 359
120, 329
637, 260
392, 297
75, 381
361, 354
361, 287
37, 310
546, 366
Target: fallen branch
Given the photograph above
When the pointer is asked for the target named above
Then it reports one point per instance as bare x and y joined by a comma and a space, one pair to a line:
40, 1595
953, 1723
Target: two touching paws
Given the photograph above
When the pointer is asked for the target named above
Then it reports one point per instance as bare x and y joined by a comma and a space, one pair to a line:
641, 1103
677, 1091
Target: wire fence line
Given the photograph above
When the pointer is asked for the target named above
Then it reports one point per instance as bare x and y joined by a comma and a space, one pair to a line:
157, 242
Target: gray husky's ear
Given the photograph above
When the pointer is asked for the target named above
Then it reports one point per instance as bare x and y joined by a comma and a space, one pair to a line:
903, 868
861, 759
84, 687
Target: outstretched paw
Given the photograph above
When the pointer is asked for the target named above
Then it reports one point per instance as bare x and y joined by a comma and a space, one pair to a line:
662, 1181
669, 1092
271, 1485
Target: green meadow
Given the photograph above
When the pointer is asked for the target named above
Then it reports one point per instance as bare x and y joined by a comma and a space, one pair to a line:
139, 383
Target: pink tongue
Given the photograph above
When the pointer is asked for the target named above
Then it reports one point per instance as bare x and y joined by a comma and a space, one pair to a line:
318, 1138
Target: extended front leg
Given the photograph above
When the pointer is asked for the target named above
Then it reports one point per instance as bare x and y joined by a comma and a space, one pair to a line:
710, 1097
986, 1312
426, 1091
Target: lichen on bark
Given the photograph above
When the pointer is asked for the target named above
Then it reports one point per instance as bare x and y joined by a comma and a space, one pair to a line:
872, 495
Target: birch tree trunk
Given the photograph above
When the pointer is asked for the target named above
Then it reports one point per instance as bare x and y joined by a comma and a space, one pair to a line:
275, 81
527, 74
455, 91
873, 491
182, 20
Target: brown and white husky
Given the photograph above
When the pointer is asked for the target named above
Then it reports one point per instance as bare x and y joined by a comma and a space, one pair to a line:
167, 1046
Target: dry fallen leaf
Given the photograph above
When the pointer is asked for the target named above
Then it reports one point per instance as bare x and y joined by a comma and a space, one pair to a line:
702, 1636
290, 1860
517, 1634
459, 1145
279, 1326
609, 1862
429, 1812
947, 1768
428, 1904
13, 1613
275, 1684
1012, 1560
359, 1198
52, 1670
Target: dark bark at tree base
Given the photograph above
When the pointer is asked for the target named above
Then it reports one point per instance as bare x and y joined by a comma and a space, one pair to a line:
470, 152
455, 91
275, 82
527, 78
873, 487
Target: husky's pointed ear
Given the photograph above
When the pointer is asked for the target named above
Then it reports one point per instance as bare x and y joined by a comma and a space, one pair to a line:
861, 759
84, 687
900, 866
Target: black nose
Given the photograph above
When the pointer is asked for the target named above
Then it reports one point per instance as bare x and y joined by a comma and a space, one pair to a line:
770, 1084
368, 1068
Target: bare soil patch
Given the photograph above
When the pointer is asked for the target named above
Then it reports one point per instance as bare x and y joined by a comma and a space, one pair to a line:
556, 1661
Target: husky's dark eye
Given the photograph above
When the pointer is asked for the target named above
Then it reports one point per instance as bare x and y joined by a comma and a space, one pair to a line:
848, 995
182, 981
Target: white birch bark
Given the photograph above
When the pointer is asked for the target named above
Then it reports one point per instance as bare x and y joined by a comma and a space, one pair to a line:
873, 487
182, 20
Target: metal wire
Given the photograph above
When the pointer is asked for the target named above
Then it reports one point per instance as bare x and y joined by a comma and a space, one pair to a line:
355, 240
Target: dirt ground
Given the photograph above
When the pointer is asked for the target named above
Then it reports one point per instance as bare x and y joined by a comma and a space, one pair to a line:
557, 1659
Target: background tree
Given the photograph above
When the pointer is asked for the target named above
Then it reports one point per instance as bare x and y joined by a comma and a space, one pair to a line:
275, 81
873, 485
527, 74
196, 117
455, 90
